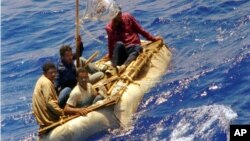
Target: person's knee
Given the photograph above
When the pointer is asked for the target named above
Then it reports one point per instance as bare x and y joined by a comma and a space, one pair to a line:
96, 77
63, 96
66, 90
97, 98
101, 74
120, 47
119, 44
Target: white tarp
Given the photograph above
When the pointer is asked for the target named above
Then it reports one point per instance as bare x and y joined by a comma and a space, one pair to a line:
103, 10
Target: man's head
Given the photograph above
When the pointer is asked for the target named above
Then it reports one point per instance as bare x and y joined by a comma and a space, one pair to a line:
82, 77
49, 70
66, 54
118, 17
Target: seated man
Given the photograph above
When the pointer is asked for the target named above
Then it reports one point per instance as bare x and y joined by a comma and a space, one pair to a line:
66, 73
44, 100
82, 95
123, 39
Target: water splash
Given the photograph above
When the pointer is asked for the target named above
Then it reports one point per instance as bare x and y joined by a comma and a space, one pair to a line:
202, 123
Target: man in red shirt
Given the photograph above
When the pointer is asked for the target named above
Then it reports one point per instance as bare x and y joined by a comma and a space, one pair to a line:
123, 39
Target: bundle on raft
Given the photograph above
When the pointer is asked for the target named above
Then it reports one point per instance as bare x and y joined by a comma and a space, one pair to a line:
123, 95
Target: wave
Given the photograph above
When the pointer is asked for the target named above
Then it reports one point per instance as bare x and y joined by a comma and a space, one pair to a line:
202, 123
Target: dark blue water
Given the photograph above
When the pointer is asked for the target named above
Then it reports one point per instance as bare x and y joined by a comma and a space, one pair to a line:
204, 91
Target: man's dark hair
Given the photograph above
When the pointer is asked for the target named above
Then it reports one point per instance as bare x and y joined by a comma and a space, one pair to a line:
47, 66
81, 70
64, 49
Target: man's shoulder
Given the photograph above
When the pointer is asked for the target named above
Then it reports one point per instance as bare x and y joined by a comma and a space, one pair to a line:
108, 26
76, 90
43, 80
126, 15
89, 85
59, 64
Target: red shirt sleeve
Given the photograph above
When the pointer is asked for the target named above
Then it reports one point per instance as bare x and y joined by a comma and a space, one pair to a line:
110, 42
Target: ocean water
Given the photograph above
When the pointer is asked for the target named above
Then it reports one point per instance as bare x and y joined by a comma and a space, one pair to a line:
205, 89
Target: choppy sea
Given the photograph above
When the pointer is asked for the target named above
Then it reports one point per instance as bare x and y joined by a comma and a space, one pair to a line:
205, 89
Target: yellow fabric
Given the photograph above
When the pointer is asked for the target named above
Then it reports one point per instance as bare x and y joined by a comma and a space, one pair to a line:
44, 102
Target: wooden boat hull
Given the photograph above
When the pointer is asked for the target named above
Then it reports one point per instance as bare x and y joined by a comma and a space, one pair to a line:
120, 114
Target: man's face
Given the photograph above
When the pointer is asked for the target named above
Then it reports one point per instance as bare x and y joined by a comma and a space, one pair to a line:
118, 18
51, 74
68, 57
83, 78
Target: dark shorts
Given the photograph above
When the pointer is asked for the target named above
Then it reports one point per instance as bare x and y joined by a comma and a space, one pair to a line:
125, 55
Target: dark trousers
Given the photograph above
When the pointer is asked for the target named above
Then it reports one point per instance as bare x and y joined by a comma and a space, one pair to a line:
125, 55
63, 96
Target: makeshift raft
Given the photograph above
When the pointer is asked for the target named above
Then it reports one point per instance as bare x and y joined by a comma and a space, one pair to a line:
123, 95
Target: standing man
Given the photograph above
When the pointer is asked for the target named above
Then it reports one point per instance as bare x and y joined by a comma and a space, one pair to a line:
66, 72
82, 95
44, 100
124, 43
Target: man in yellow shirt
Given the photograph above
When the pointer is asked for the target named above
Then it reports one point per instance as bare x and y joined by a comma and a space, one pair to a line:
44, 100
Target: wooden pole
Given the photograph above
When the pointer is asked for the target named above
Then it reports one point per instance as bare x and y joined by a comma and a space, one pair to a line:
91, 58
107, 102
77, 34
